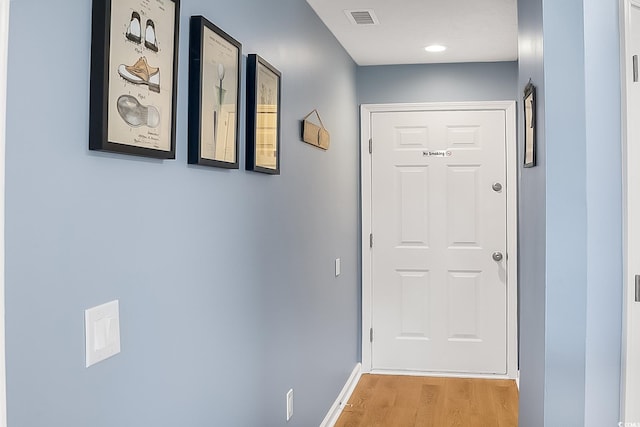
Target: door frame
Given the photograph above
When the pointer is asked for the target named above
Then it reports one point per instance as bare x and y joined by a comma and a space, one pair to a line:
509, 108
630, 386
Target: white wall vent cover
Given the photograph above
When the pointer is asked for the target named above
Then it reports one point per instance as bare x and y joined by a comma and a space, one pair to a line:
362, 17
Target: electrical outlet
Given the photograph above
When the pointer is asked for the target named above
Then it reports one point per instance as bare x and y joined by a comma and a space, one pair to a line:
289, 404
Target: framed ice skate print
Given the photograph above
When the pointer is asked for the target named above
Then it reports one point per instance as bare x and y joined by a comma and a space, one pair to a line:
214, 88
134, 52
263, 116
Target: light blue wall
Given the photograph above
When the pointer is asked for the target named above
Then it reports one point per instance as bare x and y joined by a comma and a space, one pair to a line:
531, 223
490, 81
225, 278
604, 213
572, 379
566, 216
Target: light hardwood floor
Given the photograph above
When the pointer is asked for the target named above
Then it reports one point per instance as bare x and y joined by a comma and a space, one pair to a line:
405, 401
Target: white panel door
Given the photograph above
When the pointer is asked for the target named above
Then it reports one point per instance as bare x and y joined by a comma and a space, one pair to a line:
439, 296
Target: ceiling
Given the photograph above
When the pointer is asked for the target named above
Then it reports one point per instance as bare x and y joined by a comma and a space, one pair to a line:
472, 30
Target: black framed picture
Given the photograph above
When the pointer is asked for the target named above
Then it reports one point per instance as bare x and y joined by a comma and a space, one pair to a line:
263, 116
134, 52
529, 102
214, 95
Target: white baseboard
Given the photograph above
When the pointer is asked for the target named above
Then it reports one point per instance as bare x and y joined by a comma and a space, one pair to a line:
439, 374
336, 409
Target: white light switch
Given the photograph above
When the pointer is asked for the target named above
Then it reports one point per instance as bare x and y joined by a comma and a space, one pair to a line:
102, 332
337, 267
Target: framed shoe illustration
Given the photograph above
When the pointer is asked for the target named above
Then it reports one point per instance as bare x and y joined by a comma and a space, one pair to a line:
134, 52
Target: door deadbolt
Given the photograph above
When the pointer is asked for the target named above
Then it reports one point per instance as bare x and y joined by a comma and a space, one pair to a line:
497, 187
497, 256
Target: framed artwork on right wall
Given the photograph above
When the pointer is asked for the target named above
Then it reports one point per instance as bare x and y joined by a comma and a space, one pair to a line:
529, 102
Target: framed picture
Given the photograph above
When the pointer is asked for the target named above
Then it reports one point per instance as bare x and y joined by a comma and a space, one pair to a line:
529, 125
134, 47
263, 116
214, 88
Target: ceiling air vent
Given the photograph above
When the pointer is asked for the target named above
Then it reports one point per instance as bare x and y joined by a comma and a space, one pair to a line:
362, 17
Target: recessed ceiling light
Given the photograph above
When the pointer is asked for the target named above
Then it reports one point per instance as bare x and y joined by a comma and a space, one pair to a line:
435, 48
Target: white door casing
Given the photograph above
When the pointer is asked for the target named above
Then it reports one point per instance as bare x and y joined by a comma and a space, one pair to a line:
630, 375
409, 229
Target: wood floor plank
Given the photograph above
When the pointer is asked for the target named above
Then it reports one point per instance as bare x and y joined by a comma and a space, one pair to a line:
405, 401
486, 410
431, 405
506, 405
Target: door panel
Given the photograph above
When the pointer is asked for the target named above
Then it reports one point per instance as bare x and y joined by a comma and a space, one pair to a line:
415, 289
413, 206
439, 300
462, 205
463, 287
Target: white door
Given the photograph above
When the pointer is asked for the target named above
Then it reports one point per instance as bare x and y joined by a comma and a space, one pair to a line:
439, 225
631, 337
